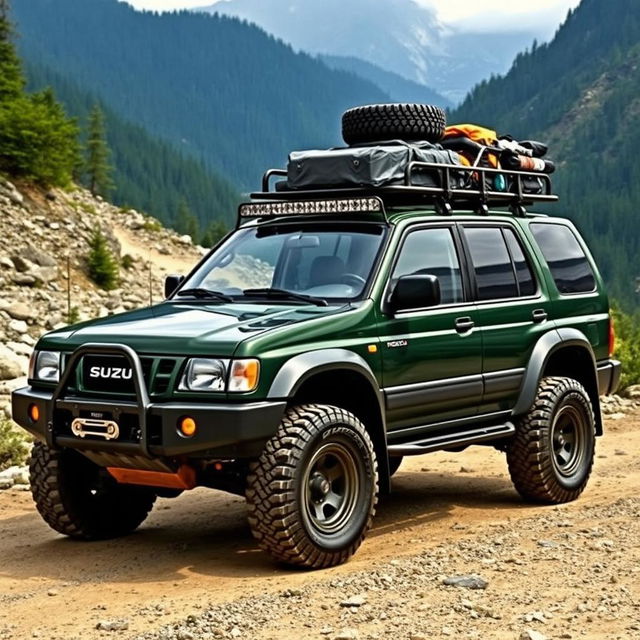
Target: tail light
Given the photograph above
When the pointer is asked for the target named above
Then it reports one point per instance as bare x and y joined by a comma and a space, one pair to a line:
612, 337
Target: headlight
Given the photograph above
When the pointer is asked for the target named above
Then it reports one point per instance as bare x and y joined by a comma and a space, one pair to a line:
47, 366
205, 374
209, 374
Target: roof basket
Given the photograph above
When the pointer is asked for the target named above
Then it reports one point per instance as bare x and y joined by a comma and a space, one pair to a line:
458, 187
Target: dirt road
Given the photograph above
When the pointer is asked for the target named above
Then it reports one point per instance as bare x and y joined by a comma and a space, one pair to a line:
193, 571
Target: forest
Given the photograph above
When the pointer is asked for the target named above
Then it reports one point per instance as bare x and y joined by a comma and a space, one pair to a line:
580, 93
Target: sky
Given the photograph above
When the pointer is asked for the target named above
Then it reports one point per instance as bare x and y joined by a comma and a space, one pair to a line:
539, 15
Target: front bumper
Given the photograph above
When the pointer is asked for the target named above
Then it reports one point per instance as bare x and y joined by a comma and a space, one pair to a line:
608, 376
224, 430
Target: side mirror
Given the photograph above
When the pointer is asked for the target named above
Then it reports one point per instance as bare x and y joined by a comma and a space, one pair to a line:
415, 292
171, 283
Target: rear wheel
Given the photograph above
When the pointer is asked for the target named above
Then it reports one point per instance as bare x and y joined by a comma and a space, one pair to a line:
312, 494
79, 499
551, 456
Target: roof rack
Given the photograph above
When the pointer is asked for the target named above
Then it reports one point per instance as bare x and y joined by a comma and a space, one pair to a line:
447, 197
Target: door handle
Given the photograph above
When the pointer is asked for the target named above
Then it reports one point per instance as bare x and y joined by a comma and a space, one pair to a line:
464, 324
539, 315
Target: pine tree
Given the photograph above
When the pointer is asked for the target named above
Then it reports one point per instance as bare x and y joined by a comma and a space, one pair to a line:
37, 140
103, 266
214, 233
186, 223
11, 80
97, 165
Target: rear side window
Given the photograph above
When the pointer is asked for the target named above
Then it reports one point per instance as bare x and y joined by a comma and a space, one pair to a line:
495, 275
524, 275
567, 261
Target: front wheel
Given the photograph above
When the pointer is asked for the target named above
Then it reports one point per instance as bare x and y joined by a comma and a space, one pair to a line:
312, 493
551, 455
81, 500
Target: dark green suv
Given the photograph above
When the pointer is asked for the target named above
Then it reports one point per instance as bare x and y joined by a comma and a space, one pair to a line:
333, 332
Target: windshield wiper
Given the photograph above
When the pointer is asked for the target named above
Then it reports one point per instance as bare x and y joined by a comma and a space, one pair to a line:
200, 293
283, 294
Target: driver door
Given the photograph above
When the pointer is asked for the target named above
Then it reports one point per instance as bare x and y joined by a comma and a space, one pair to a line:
432, 358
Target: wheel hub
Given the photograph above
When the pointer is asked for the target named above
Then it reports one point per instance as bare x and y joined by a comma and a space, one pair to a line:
319, 487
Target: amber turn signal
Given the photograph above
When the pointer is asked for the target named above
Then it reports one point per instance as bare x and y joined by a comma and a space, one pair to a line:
187, 426
34, 412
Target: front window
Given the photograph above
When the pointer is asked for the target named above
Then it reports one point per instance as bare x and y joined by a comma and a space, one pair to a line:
324, 261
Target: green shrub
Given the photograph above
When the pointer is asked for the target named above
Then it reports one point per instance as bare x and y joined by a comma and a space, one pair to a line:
127, 261
14, 448
627, 348
103, 266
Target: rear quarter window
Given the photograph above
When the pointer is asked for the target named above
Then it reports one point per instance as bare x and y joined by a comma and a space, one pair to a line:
567, 261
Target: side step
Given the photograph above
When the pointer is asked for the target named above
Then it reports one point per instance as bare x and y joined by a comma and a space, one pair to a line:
457, 439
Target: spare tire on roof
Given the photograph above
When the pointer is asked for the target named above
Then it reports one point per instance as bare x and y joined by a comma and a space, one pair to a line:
410, 122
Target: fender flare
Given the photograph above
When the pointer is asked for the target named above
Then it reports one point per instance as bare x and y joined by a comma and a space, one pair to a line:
546, 346
300, 368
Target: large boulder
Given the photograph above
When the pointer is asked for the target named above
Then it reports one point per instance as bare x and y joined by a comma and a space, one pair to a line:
20, 311
9, 368
632, 392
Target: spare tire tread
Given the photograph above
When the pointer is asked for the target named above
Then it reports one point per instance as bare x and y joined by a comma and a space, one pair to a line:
404, 121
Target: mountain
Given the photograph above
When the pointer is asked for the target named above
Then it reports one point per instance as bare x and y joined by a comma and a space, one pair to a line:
580, 93
399, 36
398, 88
149, 173
219, 90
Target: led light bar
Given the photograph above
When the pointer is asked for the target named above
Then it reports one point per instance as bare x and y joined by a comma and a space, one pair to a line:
311, 207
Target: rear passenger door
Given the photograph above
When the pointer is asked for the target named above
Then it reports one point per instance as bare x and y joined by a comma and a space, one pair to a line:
512, 313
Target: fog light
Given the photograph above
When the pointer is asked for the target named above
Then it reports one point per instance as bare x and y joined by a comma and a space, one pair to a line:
34, 412
187, 426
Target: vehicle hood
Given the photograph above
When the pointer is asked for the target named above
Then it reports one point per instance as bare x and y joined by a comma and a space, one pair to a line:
186, 328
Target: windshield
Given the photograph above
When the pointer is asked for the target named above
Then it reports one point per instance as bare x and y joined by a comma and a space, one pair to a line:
324, 261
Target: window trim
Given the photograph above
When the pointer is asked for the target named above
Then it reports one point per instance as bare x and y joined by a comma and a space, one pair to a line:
585, 250
500, 224
462, 260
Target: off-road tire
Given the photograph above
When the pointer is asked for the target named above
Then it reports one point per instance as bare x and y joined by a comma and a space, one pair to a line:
77, 498
280, 487
551, 455
378, 122
394, 464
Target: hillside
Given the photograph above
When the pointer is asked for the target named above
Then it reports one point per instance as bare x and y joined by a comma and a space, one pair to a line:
397, 87
38, 230
580, 93
220, 90
149, 173
400, 36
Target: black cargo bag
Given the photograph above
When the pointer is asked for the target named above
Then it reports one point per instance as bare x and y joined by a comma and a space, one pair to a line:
376, 165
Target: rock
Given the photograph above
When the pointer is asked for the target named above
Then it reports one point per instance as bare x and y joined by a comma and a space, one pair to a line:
21, 264
5, 263
20, 311
346, 634
112, 625
185, 239
38, 257
530, 634
5, 483
19, 326
9, 369
53, 592
43, 275
550, 544
466, 582
23, 280
354, 601
632, 392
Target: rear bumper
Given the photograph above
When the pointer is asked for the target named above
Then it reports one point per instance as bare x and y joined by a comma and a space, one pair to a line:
608, 376
224, 430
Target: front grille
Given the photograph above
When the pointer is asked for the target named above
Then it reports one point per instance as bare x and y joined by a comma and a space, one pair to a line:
111, 376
